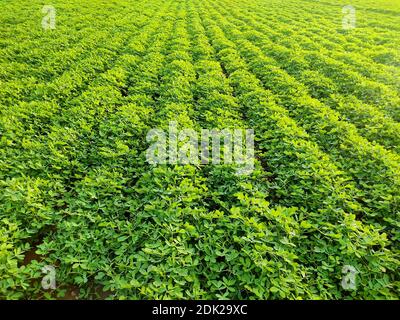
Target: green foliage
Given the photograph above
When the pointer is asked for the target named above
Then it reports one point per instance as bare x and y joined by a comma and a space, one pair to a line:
77, 193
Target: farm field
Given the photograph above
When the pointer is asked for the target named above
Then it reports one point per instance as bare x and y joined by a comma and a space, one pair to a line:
78, 194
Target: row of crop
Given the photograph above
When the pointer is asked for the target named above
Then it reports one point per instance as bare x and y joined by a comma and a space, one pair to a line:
56, 61
303, 176
154, 256
381, 49
370, 122
259, 265
282, 53
336, 48
388, 75
361, 39
273, 63
177, 257
63, 94
348, 81
168, 226
81, 71
28, 203
381, 11
28, 89
169, 197
374, 169
107, 193
330, 18
159, 261
115, 166
365, 117
23, 43
15, 88
49, 182
34, 49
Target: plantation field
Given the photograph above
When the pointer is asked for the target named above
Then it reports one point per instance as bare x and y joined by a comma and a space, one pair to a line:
78, 194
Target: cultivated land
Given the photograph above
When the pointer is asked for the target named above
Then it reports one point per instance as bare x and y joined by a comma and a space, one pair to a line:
77, 193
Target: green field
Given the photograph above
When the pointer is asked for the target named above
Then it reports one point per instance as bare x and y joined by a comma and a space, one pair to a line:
77, 192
